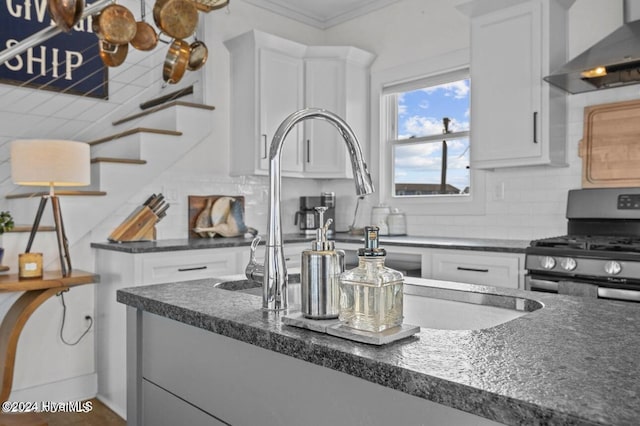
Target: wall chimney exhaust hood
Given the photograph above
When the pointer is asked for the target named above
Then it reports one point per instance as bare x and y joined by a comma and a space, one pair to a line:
612, 62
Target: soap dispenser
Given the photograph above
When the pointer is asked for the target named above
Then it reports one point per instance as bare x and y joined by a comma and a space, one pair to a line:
319, 275
371, 297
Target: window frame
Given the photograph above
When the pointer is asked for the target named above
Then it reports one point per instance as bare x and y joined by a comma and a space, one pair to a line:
403, 78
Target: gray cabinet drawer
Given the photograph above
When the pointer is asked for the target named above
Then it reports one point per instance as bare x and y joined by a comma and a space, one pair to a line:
161, 408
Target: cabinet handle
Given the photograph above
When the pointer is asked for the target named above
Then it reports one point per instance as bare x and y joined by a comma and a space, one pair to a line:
264, 143
461, 268
195, 268
535, 127
308, 151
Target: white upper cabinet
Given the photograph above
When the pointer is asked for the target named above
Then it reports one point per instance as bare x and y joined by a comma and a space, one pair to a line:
273, 77
267, 84
336, 79
517, 118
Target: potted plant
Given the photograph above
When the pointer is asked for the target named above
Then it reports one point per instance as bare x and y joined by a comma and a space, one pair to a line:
6, 224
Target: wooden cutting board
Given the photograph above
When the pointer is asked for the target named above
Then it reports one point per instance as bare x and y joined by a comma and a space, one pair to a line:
197, 203
610, 148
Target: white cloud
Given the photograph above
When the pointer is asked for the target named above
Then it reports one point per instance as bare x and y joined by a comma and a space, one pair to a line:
457, 89
420, 126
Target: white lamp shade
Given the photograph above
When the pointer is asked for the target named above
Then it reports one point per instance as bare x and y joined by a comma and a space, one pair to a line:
42, 162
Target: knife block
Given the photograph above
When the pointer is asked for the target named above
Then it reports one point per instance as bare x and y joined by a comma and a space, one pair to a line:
140, 225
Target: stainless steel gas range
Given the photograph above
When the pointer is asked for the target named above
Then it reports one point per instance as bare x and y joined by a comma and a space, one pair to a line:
599, 256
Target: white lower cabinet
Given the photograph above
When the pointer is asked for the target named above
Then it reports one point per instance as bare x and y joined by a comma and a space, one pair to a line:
486, 268
498, 269
119, 270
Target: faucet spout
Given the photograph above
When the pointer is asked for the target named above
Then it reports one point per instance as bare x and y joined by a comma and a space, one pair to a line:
274, 286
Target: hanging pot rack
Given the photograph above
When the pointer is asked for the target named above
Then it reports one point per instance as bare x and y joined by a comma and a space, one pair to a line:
47, 33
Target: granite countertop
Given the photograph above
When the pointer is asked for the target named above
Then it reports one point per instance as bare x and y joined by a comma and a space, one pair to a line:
573, 362
477, 244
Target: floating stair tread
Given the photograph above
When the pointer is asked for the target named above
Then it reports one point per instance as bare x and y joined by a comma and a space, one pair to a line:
60, 192
161, 107
117, 160
134, 131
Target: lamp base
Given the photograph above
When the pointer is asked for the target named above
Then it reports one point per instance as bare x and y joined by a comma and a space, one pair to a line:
63, 243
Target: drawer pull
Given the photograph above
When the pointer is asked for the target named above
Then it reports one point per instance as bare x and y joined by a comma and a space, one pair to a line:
195, 268
461, 268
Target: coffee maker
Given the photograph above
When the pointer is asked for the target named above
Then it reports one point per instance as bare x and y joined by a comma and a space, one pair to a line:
307, 217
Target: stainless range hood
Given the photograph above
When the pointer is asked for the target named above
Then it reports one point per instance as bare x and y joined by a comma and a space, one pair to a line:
612, 62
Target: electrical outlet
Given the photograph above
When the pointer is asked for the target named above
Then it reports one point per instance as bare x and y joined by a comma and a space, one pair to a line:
170, 194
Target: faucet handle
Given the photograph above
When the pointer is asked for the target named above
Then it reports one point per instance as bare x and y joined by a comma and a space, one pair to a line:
254, 271
254, 246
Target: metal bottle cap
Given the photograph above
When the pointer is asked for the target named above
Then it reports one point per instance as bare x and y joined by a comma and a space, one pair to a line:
371, 243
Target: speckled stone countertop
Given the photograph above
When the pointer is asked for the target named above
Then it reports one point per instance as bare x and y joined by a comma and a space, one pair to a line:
477, 244
573, 362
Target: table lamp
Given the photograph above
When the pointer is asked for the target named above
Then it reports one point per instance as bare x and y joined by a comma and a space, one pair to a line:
42, 162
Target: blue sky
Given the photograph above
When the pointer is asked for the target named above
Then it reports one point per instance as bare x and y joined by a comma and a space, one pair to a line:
420, 113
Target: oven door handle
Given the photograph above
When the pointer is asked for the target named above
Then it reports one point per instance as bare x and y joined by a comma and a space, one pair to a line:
534, 284
618, 294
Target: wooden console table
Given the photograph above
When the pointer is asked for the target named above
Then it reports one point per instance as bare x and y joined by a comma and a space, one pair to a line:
37, 291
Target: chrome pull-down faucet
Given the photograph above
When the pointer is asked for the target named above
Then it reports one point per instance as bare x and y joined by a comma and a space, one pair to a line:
274, 285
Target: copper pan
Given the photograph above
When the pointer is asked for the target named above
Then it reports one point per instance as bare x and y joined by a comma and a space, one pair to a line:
112, 55
65, 13
176, 18
198, 54
115, 24
176, 61
146, 37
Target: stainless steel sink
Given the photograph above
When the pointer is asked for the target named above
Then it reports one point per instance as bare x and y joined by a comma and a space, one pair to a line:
244, 285
437, 306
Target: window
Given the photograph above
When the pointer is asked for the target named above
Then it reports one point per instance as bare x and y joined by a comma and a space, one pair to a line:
387, 85
429, 136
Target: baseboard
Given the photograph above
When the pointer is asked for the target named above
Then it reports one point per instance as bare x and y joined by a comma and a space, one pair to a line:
122, 412
77, 388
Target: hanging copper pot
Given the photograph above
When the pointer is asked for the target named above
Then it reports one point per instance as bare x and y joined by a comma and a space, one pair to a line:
112, 55
65, 13
115, 24
176, 61
176, 18
146, 37
198, 54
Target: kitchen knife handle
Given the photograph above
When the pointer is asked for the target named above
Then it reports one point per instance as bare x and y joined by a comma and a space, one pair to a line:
535, 127
264, 143
308, 150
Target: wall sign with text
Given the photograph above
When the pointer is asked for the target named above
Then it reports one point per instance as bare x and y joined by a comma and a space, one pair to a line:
68, 62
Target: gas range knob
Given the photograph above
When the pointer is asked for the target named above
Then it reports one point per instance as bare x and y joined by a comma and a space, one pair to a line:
547, 262
612, 267
568, 264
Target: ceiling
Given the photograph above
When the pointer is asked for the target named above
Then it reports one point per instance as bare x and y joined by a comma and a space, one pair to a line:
321, 13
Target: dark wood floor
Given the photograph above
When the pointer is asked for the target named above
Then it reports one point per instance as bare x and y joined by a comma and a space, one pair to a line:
100, 415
